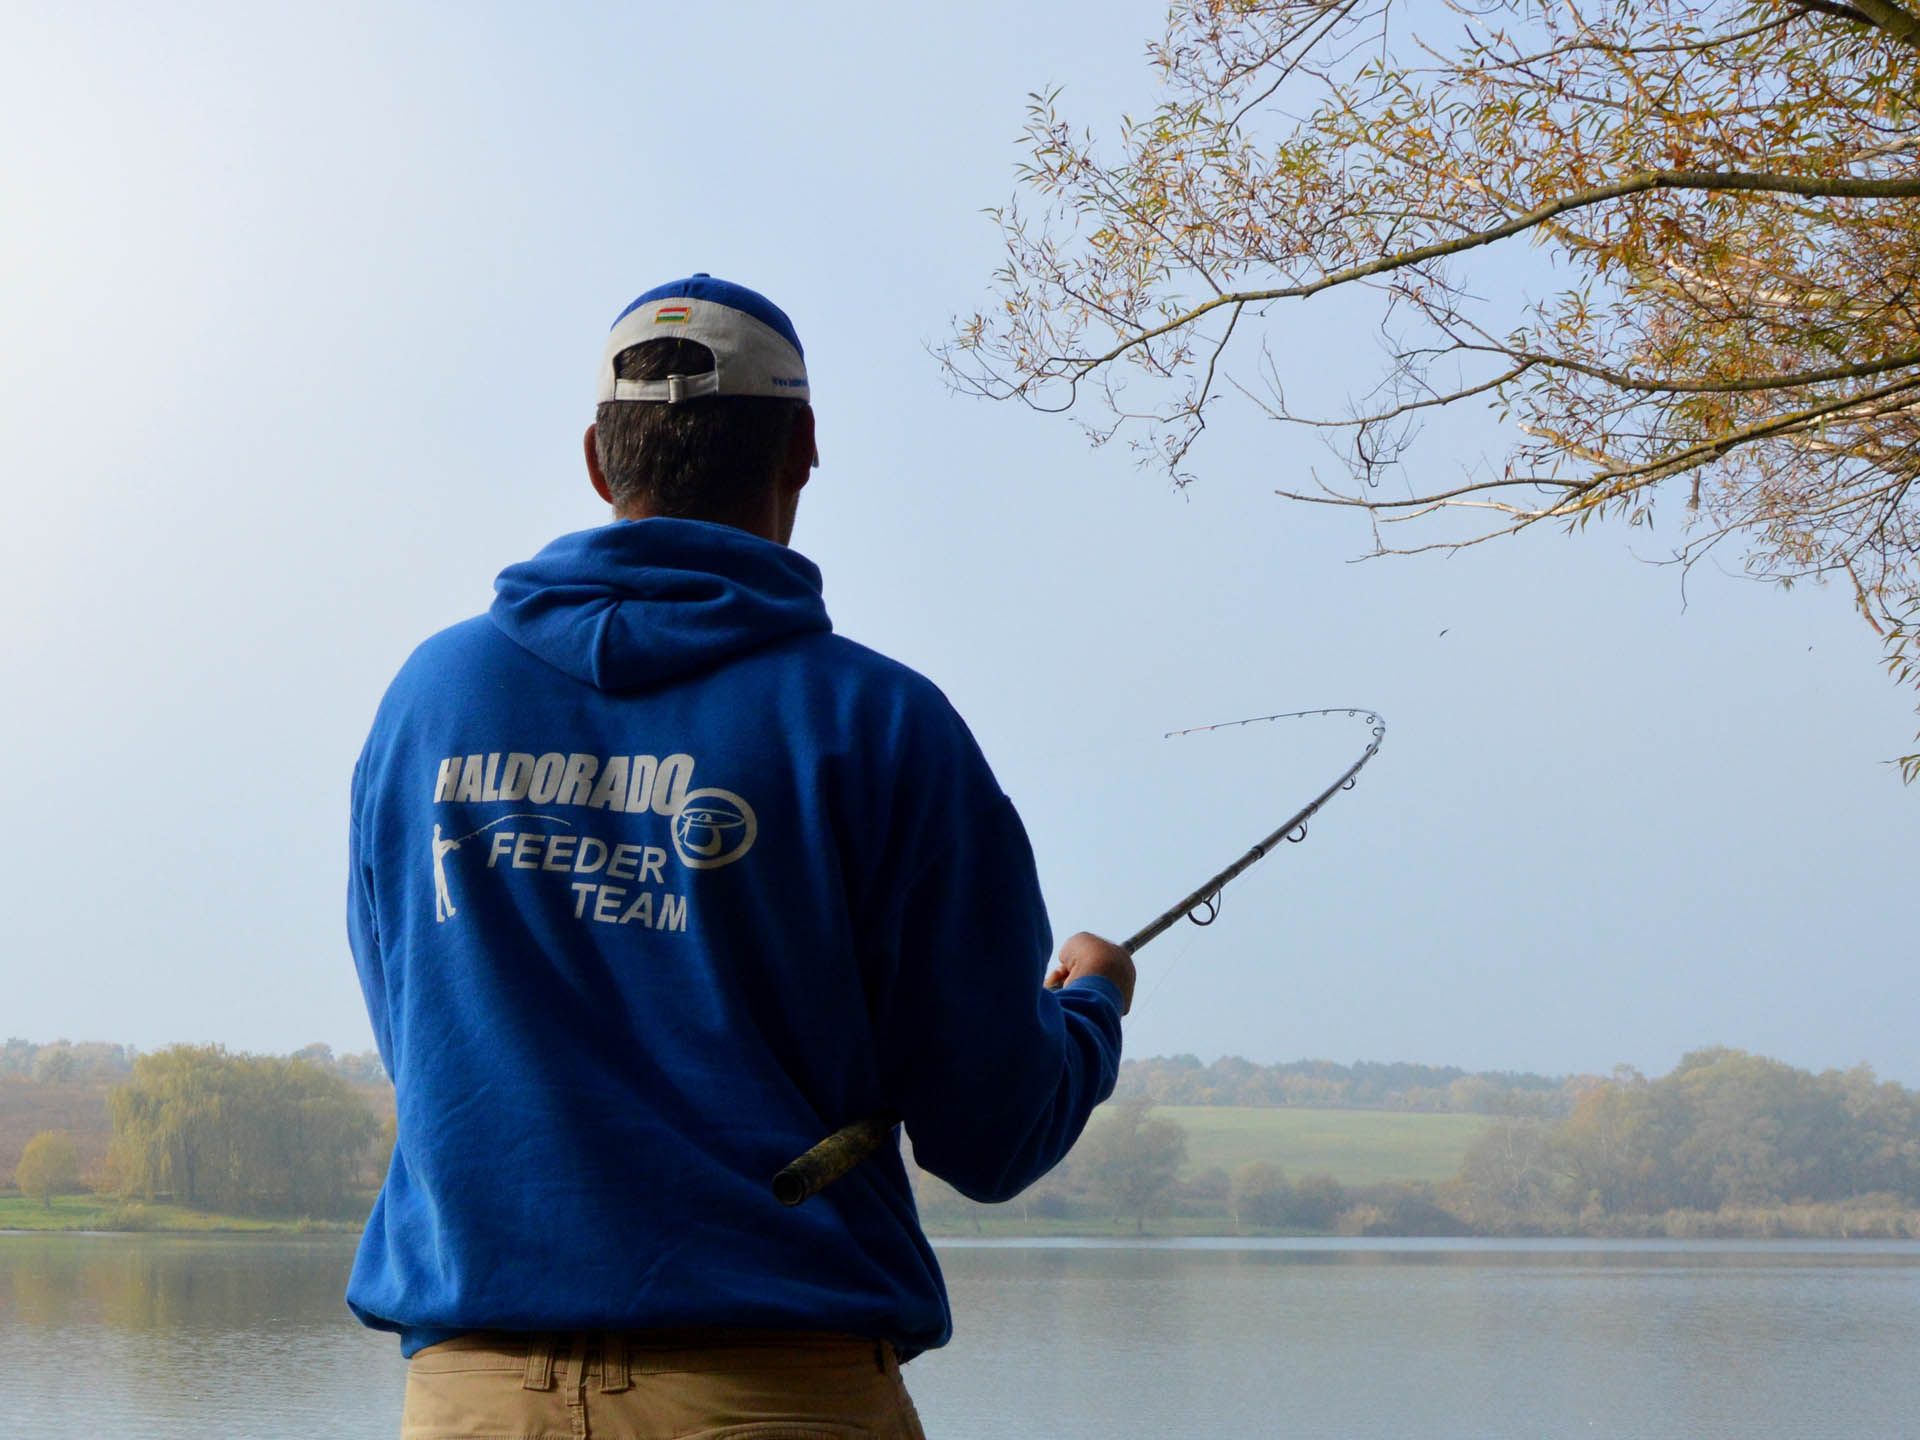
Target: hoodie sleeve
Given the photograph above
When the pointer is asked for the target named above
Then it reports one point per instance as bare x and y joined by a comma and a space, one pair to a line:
363, 930
994, 1075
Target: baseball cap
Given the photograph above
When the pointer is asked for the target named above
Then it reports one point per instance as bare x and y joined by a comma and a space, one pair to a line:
755, 349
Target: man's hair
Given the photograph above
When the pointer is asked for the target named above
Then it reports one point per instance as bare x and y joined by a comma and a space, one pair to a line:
704, 459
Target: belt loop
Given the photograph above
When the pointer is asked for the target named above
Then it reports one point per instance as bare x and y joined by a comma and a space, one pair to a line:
615, 1374
539, 1364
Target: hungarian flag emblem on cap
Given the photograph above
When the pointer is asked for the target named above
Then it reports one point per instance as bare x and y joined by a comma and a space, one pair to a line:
672, 315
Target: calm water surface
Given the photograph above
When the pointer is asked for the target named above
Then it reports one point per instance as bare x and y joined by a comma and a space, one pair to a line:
153, 1338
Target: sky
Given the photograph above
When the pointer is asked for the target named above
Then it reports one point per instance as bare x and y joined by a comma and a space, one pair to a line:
300, 309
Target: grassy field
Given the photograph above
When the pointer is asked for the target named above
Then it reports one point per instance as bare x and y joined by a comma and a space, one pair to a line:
95, 1212
1008, 1222
1356, 1147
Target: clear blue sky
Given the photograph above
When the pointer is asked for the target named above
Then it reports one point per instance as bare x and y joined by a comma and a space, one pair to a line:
301, 308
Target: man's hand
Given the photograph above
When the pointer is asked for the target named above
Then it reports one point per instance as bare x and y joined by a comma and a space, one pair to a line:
1084, 955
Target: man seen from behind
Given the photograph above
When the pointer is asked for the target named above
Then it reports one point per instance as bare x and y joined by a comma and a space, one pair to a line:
656, 880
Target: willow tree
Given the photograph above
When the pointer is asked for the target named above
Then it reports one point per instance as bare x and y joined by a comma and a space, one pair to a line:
238, 1131
1730, 325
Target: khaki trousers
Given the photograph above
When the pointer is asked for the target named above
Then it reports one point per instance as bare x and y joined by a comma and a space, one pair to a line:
657, 1385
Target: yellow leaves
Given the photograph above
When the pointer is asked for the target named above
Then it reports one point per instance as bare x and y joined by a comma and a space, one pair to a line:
1377, 158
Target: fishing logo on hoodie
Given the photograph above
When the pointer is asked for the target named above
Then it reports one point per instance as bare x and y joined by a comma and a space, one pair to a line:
614, 877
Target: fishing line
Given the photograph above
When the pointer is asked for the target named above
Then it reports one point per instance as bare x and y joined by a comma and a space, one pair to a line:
841, 1151
1293, 829
518, 815
1180, 955
1167, 971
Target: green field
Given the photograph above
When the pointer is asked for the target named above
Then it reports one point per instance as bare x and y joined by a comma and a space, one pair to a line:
1356, 1147
94, 1212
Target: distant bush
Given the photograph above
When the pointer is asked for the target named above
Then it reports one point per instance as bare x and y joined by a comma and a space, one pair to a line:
1362, 1220
1871, 1217
1261, 1195
1050, 1204
1208, 1193
128, 1215
1317, 1202
49, 1166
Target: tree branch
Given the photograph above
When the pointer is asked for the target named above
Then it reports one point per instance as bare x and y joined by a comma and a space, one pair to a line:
1828, 7
1620, 380
1841, 186
1892, 19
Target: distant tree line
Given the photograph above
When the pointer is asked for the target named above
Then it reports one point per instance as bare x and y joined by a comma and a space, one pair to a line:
358, 1067
1728, 1143
67, 1062
64, 1062
1725, 1133
1327, 1085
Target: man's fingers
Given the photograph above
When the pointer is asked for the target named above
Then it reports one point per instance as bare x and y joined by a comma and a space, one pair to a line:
1086, 955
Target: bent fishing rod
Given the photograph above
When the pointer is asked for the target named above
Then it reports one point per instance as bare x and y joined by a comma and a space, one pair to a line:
807, 1175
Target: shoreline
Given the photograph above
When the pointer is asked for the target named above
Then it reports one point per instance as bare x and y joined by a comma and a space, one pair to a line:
1151, 1240
1195, 1232
101, 1215
95, 1215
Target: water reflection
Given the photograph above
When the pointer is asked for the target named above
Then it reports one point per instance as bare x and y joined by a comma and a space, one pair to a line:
177, 1284
247, 1336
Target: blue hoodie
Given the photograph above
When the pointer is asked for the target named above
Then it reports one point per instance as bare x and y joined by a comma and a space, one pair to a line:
654, 882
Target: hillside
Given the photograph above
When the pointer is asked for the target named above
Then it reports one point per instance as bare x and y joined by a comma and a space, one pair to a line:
1356, 1147
78, 1108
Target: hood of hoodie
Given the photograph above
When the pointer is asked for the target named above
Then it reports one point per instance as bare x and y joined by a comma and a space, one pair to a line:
640, 603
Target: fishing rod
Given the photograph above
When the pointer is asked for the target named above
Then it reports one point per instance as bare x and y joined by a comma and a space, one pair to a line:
807, 1175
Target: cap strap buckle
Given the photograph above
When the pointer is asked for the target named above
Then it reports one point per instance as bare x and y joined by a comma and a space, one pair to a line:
674, 389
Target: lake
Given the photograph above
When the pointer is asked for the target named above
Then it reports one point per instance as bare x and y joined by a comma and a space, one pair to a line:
163, 1338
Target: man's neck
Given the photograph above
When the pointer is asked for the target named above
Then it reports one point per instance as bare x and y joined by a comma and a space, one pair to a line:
708, 519
765, 522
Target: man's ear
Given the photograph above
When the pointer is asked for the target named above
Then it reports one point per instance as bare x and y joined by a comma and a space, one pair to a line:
594, 472
803, 452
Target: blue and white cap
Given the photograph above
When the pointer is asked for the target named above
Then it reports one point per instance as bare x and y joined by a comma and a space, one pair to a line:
755, 349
